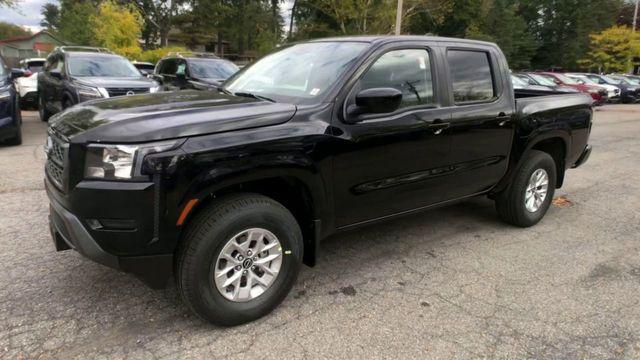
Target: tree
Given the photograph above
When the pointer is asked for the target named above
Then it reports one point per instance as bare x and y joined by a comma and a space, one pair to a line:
562, 28
117, 27
10, 31
500, 23
74, 25
50, 16
159, 18
612, 50
8, 3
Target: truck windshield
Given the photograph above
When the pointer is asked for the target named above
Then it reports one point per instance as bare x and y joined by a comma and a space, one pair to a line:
109, 66
212, 69
301, 73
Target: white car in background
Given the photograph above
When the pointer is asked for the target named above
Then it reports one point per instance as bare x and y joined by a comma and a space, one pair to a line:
27, 86
613, 92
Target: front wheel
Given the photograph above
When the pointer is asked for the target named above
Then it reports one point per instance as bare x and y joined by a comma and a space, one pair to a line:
239, 259
42, 109
527, 199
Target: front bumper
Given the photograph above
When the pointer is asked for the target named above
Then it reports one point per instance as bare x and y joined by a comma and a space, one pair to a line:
69, 232
583, 157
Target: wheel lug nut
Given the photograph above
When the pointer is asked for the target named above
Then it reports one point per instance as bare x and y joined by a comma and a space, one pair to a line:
249, 253
254, 268
244, 272
238, 268
255, 258
240, 258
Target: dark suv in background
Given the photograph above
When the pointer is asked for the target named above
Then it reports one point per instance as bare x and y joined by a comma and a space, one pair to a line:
199, 71
10, 119
76, 74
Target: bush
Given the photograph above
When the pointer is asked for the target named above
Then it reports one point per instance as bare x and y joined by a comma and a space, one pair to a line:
154, 55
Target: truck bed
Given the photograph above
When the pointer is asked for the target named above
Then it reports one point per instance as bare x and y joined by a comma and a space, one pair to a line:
566, 113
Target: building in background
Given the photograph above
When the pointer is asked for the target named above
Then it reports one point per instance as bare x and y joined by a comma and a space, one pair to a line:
37, 45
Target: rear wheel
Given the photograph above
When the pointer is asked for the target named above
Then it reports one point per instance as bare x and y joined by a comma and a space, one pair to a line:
239, 259
527, 199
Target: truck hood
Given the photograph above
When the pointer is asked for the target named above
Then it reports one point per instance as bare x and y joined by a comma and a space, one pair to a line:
160, 116
116, 82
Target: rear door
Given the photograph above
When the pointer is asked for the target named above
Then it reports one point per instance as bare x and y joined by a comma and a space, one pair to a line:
482, 116
396, 162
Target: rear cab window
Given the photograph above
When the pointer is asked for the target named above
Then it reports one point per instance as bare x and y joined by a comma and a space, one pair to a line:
472, 77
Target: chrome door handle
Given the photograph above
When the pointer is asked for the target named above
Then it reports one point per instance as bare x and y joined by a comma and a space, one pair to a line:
438, 127
503, 119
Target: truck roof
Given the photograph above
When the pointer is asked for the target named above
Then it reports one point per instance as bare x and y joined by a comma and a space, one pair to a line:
390, 38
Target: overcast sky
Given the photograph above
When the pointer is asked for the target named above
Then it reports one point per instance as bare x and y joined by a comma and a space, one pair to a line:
27, 13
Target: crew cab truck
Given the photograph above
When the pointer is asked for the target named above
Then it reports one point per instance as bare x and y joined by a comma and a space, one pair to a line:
231, 190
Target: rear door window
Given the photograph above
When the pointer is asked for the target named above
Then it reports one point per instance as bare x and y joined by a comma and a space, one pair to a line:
471, 76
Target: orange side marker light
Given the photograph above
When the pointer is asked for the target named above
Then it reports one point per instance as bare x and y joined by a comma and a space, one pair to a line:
186, 211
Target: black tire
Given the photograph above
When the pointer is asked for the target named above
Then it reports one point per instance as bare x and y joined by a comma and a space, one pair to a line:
42, 109
17, 138
511, 202
66, 103
205, 238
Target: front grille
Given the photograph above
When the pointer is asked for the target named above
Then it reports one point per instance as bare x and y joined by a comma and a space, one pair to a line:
55, 173
126, 91
57, 153
602, 92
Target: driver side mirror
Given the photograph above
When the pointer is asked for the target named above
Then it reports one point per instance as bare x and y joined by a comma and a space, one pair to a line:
157, 77
16, 73
56, 74
144, 72
375, 101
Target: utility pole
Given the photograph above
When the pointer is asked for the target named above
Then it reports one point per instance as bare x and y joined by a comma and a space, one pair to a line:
635, 17
399, 17
633, 30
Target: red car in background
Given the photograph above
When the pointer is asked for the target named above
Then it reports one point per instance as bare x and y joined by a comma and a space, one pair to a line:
598, 93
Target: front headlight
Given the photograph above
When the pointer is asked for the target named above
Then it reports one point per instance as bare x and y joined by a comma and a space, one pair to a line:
154, 89
88, 91
120, 162
4, 93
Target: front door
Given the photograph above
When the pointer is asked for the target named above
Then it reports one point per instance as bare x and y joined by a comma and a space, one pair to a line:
396, 162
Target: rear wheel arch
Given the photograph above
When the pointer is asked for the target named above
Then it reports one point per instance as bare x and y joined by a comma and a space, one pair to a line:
557, 147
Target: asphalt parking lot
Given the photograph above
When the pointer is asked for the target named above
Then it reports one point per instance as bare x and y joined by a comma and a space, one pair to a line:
448, 283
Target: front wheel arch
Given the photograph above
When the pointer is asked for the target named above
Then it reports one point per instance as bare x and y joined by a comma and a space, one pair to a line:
293, 192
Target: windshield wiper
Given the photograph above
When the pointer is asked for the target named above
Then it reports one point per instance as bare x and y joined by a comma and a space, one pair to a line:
251, 95
224, 91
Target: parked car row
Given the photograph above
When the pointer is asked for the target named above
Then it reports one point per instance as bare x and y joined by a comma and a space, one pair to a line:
74, 74
602, 88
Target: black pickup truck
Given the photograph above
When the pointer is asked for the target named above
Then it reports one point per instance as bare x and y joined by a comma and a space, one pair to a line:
231, 190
